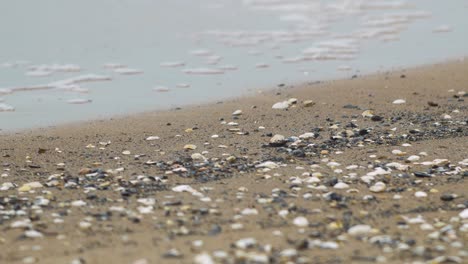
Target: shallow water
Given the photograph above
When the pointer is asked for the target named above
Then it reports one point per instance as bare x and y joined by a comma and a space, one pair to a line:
64, 61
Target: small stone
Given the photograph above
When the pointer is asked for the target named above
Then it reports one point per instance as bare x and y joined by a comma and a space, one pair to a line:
29, 260
329, 245
426, 227
215, 230
367, 113
277, 140
231, 159
7, 186
237, 226
301, 221
152, 138
246, 243
308, 103
378, 187
307, 135
249, 211
350, 106
78, 261
126, 152
85, 171
288, 253
219, 254
197, 243
26, 223
24, 188
376, 118
420, 194
187, 188
432, 104
141, 261
34, 185
172, 253
341, 185
84, 225
197, 156
399, 101
281, 105
447, 197
267, 164
359, 230
147, 201
203, 258
413, 158
421, 174
78, 203
464, 214
237, 113
33, 234
190, 147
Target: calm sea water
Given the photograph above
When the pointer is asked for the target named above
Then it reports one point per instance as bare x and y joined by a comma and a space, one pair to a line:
63, 61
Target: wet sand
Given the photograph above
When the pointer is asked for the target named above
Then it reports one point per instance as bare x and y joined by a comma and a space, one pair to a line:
388, 186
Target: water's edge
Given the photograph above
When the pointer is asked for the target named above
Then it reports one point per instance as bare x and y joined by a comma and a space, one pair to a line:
213, 102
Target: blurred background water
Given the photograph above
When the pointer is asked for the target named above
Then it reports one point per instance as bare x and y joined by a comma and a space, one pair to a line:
158, 54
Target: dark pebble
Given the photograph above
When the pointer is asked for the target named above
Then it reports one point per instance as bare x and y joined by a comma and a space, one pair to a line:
298, 153
421, 174
215, 230
350, 106
447, 197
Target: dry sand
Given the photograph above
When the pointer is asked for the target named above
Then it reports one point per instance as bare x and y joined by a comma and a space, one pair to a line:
112, 199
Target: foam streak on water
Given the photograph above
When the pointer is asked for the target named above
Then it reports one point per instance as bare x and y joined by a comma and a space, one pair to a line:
79, 69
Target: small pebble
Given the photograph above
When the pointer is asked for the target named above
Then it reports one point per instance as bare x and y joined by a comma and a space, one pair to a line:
420, 194
301, 221
399, 101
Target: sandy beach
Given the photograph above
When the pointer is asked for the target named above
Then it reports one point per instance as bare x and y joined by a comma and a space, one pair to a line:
364, 170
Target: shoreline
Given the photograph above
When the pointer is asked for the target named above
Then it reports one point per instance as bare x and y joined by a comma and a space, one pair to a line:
322, 182
252, 93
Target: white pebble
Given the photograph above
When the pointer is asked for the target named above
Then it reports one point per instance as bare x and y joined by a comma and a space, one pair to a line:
413, 158
341, 185
399, 101
378, 187
464, 214
307, 135
359, 230
267, 164
237, 112
301, 221
281, 105
33, 234
249, 211
420, 194
246, 243
84, 225
78, 203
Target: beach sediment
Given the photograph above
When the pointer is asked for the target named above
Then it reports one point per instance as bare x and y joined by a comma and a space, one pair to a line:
369, 169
